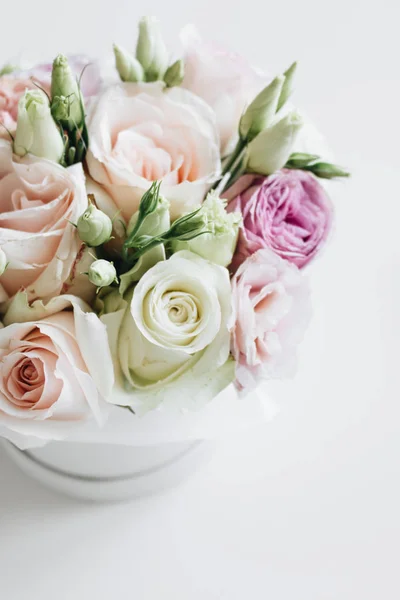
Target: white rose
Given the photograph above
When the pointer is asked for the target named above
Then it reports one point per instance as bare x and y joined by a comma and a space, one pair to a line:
142, 132
55, 371
171, 341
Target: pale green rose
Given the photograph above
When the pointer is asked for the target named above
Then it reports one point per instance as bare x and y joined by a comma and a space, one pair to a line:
153, 224
219, 243
271, 149
171, 341
37, 132
128, 67
150, 50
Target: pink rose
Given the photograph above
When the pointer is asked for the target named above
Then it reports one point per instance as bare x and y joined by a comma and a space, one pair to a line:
223, 79
55, 374
142, 132
271, 310
288, 212
38, 198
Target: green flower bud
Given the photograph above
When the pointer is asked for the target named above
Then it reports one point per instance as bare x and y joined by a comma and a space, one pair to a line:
261, 112
175, 73
102, 273
270, 150
37, 132
153, 223
63, 83
150, 49
60, 108
7, 69
218, 243
3, 261
94, 227
128, 67
188, 227
287, 87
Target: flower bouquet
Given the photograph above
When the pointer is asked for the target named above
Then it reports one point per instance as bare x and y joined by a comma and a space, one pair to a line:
154, 227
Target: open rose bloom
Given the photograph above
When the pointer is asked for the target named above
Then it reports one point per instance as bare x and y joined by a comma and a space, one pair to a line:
154, 229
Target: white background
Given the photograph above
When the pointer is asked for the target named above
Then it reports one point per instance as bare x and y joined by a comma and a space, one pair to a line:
306, 507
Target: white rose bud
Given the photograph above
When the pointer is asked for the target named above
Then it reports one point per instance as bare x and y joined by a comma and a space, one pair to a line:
270, 150
3, 261
102, 273
128, 67
221, 229
261, 112
37, 132
150, 50
94, 227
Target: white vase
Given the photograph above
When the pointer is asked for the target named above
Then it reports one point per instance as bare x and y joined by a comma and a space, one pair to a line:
108, 472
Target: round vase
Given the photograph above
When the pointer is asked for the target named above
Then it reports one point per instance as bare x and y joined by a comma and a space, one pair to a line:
108, 472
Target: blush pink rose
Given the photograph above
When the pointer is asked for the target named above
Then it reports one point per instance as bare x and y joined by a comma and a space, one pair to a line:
223, 79
38, 201
289, 212
271, 309
55, 375
142, 132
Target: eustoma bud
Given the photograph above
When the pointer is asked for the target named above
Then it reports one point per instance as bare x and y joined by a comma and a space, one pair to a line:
175, 73
64, 84
37, 132
270, 150
261, 112
94, 227
102, 273
150, 50
128, 67
3, 261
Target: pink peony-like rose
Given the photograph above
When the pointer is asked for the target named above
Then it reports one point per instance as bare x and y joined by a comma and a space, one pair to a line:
39, 200
55, 375
142, 132
288, 212
271, 311
223, 79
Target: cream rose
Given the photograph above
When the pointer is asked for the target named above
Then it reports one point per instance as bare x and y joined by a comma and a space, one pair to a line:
141, 132
38, 201
55, 373
172, 344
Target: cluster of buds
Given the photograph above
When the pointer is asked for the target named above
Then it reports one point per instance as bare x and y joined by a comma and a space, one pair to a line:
53, 128
150, 63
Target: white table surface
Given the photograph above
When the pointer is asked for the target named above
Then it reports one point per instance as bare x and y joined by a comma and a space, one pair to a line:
306, 507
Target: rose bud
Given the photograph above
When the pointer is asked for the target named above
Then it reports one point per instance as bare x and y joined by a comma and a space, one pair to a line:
102, 273
3, 261
150, 50
128, 67
270, 150
261, 112
175, 73
63, 83
94, 227
37, 132
220, 233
